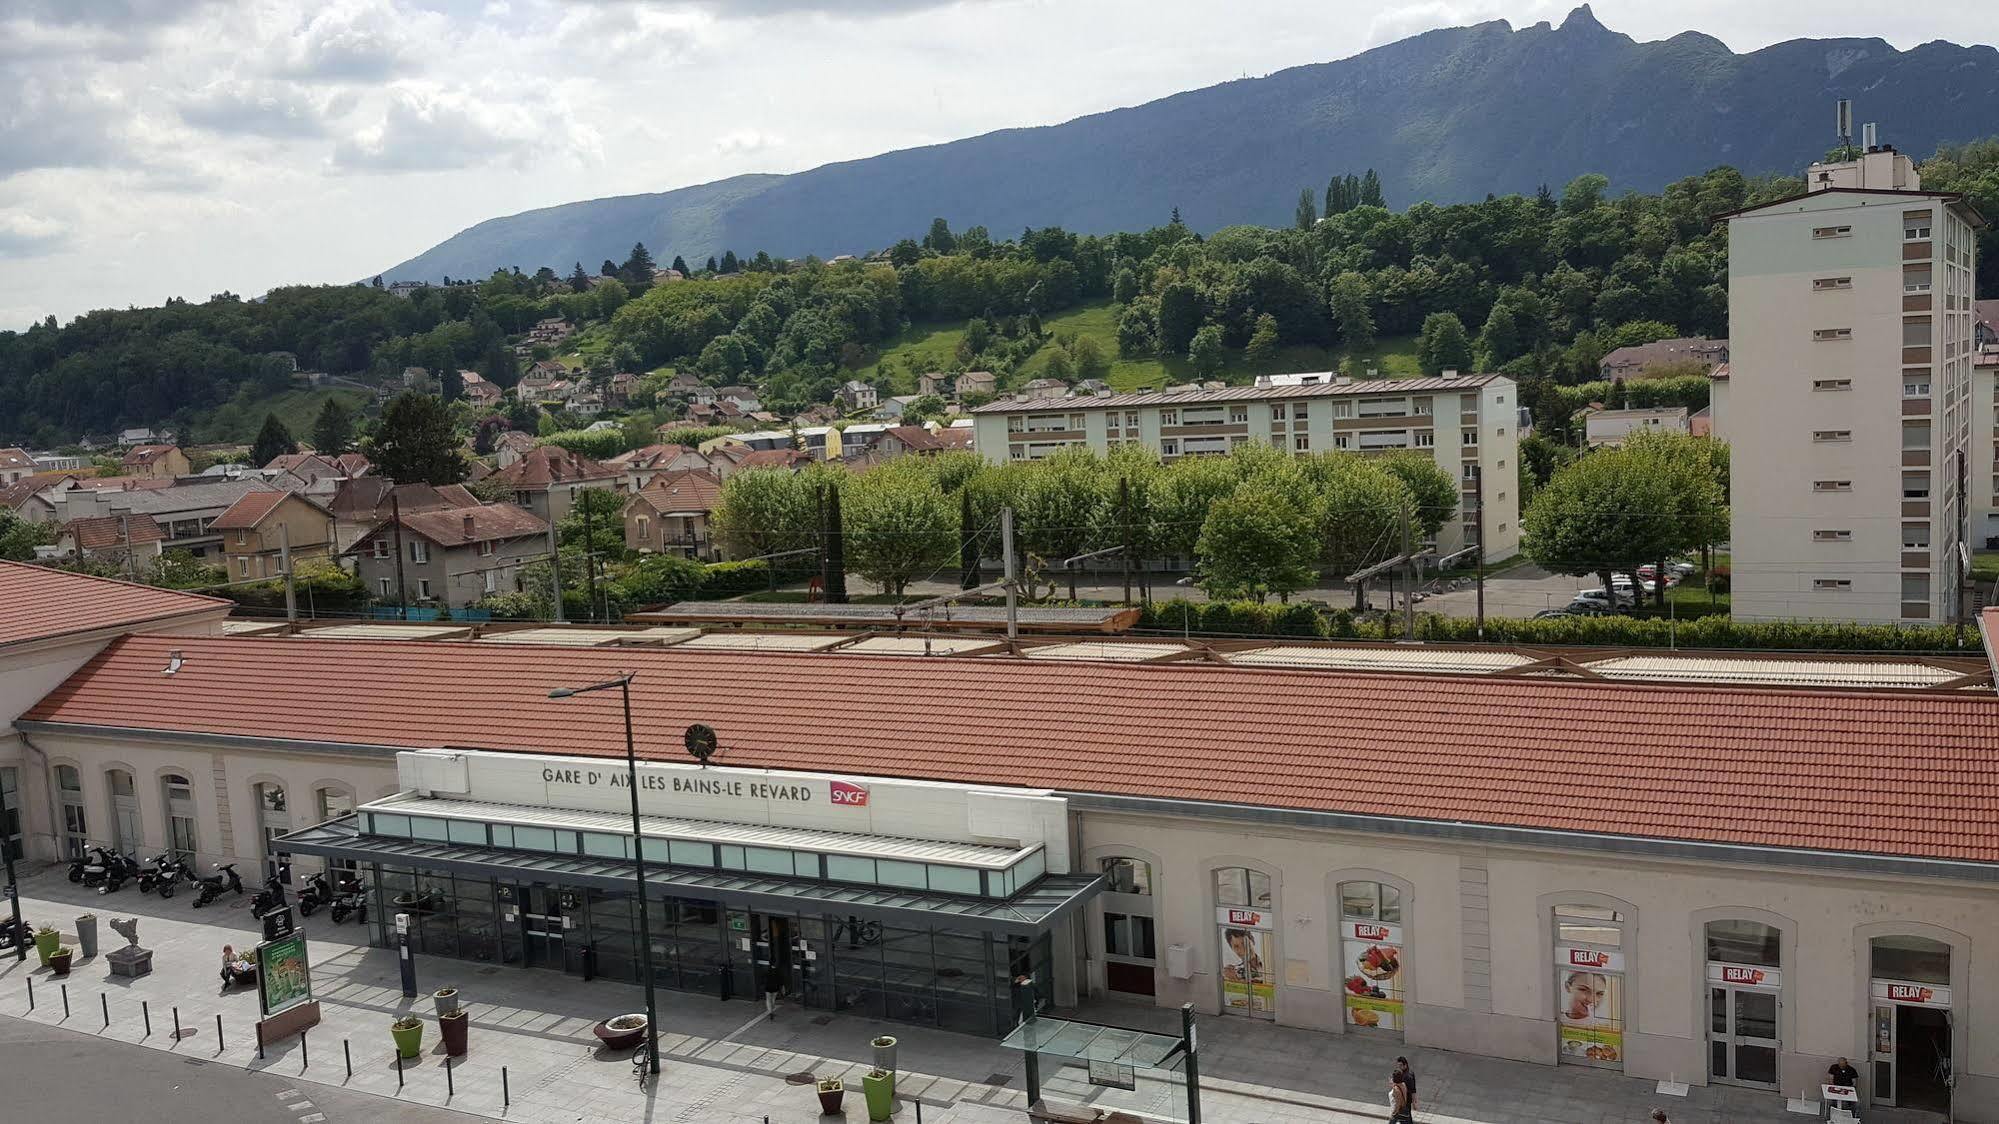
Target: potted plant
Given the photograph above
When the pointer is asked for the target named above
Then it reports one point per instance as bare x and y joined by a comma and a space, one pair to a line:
408, 1033
446, 999
884, 1052
47, 940
453, 1026
59, 960
86, 934
832, 1093
878, 1085
621, 1033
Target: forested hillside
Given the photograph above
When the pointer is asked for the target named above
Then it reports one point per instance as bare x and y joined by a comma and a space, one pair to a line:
1539, 286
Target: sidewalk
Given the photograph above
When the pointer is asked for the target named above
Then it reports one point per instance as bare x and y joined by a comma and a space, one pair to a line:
724, 1061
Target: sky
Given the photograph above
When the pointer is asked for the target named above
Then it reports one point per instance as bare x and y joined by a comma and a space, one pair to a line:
158, 148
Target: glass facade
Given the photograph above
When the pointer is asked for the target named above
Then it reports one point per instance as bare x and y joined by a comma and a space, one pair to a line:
961, 980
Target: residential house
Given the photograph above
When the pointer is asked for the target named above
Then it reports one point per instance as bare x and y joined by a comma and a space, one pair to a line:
641, 466
140, 435
933, 382
901, 440
1091, 386
587, 404
1044, 388
16, 465
548, 478
793, 459
891, 409
741, 397
860, 437
1697, 354
1613, 427
704, 414
60, 462
258, 529
670, 515
662, 276
976, 382
359, 503
857, 395
186, 511
550, 331
478, 391
684, 385
511, 446
415, 376
825, 413
129, 541
161, 462
307, 466
449, 556
618, 392
28, 497
403, 289
535, 381
1984, 323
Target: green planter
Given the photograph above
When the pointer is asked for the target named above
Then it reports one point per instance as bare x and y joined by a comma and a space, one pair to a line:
879, 1088
46, 943
408, 1034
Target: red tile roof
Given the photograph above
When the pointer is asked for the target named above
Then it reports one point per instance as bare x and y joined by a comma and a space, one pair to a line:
550, 464
146, 454
672, 493
457, 526
915, 438
249, 511
774, 458
1901, 774
39, 603
16, 458
103, 532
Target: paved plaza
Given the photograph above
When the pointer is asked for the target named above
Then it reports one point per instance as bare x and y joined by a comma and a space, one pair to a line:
725, 1061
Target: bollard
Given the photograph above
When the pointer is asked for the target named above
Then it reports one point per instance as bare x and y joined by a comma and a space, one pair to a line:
218, 1033
146, 1009
104, 1002
176, 1025
260, 1041
399, 1071
349, 1055
304, 1053
65, 1002
449, 1092
506, 1096
31, 994
919, 1112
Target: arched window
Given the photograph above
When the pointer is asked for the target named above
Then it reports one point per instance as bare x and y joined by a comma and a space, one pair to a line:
273, 819
1589, 984
1370, 952
178, 793
126, 834
1243, 913
1912, 1039
1130, 959
331, 803
75, 832
1744, 991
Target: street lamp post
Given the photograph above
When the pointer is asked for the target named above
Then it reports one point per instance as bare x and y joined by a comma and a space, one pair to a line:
624, 685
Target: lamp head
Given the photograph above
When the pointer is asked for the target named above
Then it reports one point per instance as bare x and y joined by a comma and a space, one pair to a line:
561, 693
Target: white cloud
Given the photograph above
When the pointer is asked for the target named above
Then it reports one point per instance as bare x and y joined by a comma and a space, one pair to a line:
425, 128
257, 107
48, 121
746, 142
26, 236
356, 41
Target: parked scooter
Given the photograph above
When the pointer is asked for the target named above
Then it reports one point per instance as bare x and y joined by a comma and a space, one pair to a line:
11, 937
317, 893
270, 899
212, 885
149, 874
173, 873
89, 868
118, 870
351, 898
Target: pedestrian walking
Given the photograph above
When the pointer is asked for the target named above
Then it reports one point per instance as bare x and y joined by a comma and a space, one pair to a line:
1398, 1100
1408, 1077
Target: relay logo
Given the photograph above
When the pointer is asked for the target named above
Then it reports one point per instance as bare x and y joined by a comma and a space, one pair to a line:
1742, 975
1370, 932
1588, 958
849, 795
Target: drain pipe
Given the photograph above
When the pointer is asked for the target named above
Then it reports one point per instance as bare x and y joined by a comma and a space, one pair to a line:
49, 792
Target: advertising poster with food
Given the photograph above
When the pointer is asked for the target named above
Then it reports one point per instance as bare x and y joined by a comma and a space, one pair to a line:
1247, 987
283, 978
1589, 1008
1372, 962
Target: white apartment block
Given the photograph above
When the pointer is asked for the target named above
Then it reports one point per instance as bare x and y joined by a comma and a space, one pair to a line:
1467, 423
1982, 459
1847, 397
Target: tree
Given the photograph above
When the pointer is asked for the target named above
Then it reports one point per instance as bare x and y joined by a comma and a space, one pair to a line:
450, 384
1360, 512
273, 441
765, 511
579, 281
1057, 507
19, 538
1432, 491
940, 237
1613, 510
1307, 215
1584, 192
712, 268
680, 266
1206, 354
1442, 345
1258, 540
1124, 287
658, 579
1262, 347
1088, 358
1180, 316
1347, 300
729, 262
833, 558
332, 428
1137, 330
416, 443
638, 267
898, 528
1370, 190
601, 510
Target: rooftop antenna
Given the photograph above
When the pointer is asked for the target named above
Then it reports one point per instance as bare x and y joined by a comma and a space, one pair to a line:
1845, 126
1870, 138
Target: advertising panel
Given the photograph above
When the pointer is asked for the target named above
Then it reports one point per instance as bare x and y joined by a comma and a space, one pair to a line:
1589, 1010
1371, 960
1743, 975
1247, 985
284, 979
1911, 994
1594, 959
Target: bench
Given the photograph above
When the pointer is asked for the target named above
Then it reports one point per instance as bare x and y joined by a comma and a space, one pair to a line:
1054, 1114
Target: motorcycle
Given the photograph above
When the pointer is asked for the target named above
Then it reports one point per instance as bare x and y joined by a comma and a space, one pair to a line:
318, 894
89, 868
118, 871
212, 885
173, 872
270, 899
352, 898
149, 874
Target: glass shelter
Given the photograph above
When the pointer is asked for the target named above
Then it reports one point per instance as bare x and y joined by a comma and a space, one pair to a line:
936, 933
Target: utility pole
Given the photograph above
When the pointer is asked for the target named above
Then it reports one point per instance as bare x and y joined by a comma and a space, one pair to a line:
1478, 554
125, 532
1006, 561
402, 590
285, 560
555, 568
1124, 535
1409, 582
589, 555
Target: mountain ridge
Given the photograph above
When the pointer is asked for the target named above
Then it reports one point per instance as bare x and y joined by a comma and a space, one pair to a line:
1446, 115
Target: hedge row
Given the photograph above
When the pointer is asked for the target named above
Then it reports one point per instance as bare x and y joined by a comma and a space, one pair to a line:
1248, 619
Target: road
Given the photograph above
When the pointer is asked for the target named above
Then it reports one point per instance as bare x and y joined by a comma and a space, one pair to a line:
56, 1074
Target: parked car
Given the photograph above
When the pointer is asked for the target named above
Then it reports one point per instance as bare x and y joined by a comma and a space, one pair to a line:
1648, 574
1627, 582
1582, 607
1601, 600
1550, 614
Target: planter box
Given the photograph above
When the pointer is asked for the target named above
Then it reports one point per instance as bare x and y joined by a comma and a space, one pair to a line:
408, 1042
880, 1092
620, 1039
454, 1028
86, 936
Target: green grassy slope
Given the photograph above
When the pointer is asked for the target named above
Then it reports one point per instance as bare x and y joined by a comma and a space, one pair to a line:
934, 346
239, 419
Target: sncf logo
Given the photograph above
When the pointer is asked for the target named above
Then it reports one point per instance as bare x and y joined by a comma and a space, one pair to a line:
850, 795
